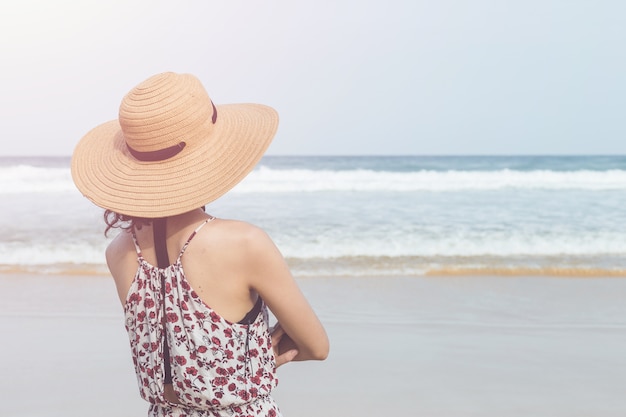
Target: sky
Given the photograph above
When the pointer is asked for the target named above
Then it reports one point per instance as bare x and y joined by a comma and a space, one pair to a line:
348, 77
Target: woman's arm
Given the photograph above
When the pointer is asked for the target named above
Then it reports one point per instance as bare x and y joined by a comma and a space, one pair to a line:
271, 279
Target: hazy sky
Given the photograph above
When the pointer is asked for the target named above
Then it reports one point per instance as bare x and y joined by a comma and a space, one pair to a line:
346, 76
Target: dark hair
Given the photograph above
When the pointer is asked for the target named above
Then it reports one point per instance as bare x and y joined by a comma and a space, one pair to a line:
115, 220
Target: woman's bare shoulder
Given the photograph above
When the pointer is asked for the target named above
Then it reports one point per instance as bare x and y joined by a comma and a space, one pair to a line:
242, 234
121, 256
122, 262
120, 246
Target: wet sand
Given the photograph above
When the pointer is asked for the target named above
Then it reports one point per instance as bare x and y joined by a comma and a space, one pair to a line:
429, 346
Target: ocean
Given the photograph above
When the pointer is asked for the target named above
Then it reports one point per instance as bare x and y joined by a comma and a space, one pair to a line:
378, 216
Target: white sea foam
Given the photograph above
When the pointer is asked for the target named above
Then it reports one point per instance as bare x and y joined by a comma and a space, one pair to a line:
21, 179
303, 180
473, 244
48, 253
326, 247
30, 179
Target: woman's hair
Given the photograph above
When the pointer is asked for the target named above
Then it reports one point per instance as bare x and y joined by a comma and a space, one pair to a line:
115, 220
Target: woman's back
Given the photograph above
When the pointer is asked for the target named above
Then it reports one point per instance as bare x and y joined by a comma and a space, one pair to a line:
218, 271
171, 151
211, 363
214, 264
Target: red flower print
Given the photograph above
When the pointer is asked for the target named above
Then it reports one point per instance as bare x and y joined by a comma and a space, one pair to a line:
215, 364
134, 298
220, 381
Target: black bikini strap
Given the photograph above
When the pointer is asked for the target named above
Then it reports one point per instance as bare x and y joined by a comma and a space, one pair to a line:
160, 247
252, 314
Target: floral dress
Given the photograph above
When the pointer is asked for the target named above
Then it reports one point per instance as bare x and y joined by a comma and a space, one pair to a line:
218, 368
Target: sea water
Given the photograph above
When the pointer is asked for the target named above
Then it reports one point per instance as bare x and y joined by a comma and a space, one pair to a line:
363, 216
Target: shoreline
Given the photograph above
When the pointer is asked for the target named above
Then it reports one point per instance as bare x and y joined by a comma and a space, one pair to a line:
64, 270
432, 346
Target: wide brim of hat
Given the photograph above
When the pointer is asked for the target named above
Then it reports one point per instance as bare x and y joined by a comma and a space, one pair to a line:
107, 174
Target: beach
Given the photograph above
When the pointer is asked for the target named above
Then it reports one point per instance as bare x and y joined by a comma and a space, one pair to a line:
419, 346
450, 286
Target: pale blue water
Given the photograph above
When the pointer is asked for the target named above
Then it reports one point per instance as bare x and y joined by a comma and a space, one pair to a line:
334, 216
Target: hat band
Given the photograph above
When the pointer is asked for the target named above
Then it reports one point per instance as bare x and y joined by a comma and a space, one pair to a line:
158, 155
167, 153
214, 116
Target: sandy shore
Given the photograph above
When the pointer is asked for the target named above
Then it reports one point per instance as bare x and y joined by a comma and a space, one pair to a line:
437, 346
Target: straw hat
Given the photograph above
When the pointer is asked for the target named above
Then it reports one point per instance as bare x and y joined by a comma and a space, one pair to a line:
171, 150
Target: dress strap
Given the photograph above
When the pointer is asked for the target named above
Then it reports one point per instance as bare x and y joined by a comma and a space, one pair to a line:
193, 234
137, 248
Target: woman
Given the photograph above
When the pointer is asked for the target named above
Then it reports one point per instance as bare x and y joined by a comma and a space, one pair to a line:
195, 289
